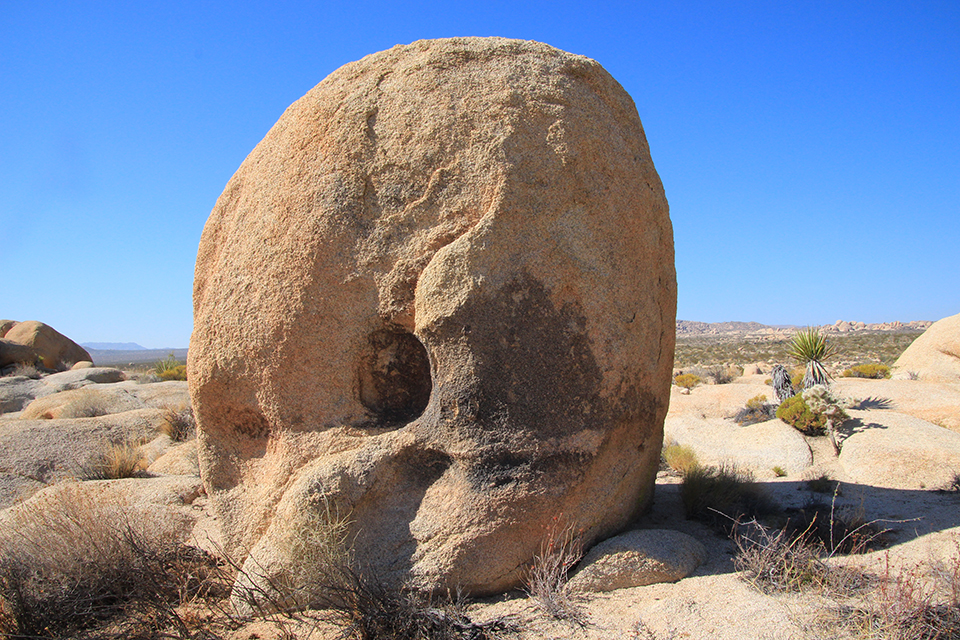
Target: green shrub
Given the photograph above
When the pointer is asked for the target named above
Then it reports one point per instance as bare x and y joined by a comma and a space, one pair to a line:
779, 471
170, 369
178, 372
687, 381
795, 412
876, 371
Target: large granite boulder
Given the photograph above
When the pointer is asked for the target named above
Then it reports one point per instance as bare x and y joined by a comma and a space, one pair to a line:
935, 355
438, 299
56, 350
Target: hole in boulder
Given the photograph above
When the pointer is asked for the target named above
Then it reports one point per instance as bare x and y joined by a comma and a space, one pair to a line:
394, 376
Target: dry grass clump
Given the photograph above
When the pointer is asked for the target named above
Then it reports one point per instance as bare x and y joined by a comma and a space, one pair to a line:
75, 567
546, 579
114, 461
678, 457
722, 496
178, 423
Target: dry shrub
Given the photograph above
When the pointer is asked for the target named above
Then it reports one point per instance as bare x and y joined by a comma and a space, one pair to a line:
178, 423
75, 567
778, 560
680, 458
722, 496
546, 579
918, 602
756, 410
114, 461
687, 381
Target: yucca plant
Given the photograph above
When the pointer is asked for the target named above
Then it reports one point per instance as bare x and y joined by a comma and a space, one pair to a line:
809, 348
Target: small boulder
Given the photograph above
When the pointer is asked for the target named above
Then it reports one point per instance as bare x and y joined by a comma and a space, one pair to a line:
935, 355
179, 460
55, 349
638, 558
14, 353
77, 378
6, 325
83, 364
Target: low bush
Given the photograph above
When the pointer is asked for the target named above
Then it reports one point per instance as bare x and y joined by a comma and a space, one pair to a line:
170, 369
756, 410
75, 567
178, 372
178, 423
678, 457
687, 381
875, 371
721, 496
795, 412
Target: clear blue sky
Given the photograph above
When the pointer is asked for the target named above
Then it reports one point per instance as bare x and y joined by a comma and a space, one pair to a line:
810, 151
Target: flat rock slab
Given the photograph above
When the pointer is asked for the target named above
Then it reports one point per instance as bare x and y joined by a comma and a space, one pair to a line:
35, 453
757, 447
16, 392
897, 451
936, 402
637, 559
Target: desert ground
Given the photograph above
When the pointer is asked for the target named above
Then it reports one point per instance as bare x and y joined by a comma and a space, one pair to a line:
897, 475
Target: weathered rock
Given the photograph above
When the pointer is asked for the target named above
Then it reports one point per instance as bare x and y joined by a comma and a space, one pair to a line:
86, 402
890, 449
438, 296
15, 353
77, 378
55, 349
34, 453
638, 558
935, 355
6, 325
16, 392
83, 364
179, 460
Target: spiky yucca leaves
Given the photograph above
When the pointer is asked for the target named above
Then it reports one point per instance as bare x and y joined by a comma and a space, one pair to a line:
809, 348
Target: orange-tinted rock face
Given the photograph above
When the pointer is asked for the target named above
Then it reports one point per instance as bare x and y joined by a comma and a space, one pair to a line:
439, 296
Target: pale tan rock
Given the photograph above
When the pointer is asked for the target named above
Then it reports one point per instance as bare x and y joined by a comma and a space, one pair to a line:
14, 353
83, 364
86, 402
935, 355
439, 295
34, 453
638, 558
178, 460
6, 325
55, 349
897, 451
935, 402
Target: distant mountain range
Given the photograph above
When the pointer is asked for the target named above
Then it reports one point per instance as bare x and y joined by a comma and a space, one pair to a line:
694, 328
113, 346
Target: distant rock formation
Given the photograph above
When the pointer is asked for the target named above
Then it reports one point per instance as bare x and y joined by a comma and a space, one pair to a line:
45, 345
